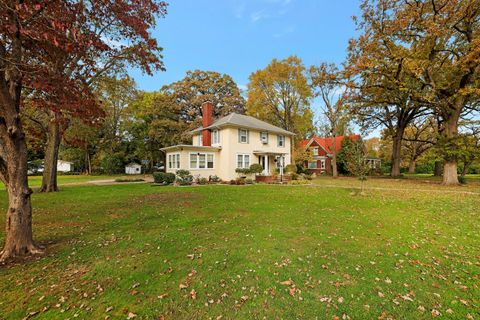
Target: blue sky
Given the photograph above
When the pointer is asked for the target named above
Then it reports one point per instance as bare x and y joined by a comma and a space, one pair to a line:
238, 37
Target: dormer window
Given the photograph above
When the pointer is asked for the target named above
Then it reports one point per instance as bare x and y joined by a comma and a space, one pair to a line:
215, 136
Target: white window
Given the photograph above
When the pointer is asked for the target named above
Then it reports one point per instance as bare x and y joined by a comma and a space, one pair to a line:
280, 141
315, 151
201, 161
243, 135
174, 161
322, 164
312, 165
215, 137
243, 161
264, 137
200, 140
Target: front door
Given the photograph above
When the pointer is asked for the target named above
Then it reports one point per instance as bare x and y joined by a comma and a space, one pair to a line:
263, 161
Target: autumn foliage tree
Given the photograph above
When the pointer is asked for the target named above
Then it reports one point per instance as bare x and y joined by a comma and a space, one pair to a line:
280, 94
38, 39
199, 86
124, 41
328, 84
434, 48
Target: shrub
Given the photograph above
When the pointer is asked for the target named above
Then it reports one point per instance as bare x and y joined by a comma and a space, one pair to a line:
462, 179
256, 168
240, 181
242, 170
202, 181
248, 181
474, 169
424, 168
307, 176
184, 178
300, 168
214, 178
164, 177
294, 176
308, 172
291, 168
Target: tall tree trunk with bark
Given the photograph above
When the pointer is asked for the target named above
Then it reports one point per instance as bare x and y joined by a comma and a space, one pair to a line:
438, 169
450, 175
465, 168
396, 151
412, 165
49, 178
13, 172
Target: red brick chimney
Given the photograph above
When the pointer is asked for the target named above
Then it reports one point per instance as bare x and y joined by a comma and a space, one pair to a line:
207, 120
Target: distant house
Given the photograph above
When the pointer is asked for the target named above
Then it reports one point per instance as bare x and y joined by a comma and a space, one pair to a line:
133, 168
64, 166
236, 141
322, 150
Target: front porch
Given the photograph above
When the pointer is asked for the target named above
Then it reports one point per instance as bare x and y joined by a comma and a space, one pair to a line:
271, 162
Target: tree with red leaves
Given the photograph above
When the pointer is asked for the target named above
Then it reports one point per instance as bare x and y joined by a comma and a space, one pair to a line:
50, 53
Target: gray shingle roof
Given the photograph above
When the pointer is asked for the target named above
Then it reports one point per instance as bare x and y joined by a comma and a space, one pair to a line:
240, 120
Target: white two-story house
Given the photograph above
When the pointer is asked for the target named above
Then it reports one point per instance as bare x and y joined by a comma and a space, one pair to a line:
235, 141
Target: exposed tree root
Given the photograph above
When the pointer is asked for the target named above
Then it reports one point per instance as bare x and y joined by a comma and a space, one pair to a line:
10, 252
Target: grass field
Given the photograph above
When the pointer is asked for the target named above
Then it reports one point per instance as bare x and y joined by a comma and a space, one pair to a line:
250, 252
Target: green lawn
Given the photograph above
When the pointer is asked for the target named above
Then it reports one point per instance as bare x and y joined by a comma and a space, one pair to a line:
249, 252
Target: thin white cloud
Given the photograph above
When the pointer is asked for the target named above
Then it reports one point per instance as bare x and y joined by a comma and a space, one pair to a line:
259, 15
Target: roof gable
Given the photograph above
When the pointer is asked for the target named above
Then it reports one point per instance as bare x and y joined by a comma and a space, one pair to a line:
240, 120
327, 143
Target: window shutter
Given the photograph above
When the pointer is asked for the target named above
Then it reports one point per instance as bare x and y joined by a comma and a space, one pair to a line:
239, 136
248, 135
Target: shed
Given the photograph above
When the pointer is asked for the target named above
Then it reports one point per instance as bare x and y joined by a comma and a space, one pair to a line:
64, 166
133, 168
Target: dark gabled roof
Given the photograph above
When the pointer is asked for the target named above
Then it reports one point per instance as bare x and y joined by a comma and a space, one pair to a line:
243, 121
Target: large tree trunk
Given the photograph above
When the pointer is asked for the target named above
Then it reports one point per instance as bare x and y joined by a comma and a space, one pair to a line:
396, 152
13, 172
438, 169
49, 178
412, 165
466, 166
450, 175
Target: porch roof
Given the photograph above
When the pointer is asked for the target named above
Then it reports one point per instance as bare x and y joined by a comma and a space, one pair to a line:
269, 153
190, 147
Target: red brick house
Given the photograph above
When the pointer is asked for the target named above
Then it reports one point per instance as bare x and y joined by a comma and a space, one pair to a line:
322, 152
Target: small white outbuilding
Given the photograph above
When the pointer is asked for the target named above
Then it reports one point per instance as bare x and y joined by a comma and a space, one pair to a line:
133, 168
64, 166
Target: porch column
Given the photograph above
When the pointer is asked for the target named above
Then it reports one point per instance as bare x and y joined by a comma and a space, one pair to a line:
267, 165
